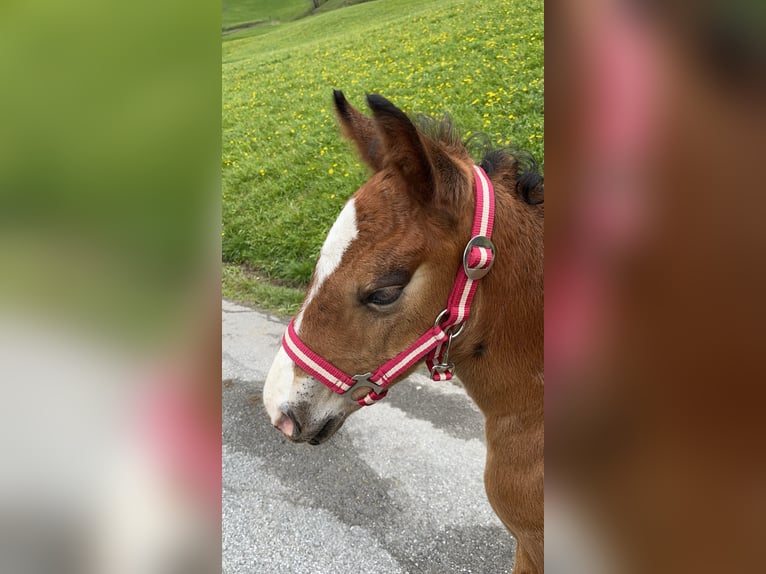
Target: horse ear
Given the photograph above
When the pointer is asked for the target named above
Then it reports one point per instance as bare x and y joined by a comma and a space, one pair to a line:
360, 129
404, 150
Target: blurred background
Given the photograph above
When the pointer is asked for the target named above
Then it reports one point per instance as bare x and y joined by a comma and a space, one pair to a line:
654, 286
109, 286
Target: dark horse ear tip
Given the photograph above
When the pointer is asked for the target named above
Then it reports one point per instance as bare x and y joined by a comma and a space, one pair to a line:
340, 99
379, 104
341, 103
376, 100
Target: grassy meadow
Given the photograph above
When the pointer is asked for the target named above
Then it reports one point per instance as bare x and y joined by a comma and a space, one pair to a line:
286, 170
236, 12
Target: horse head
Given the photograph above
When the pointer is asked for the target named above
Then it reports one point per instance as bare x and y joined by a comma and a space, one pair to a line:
384, 272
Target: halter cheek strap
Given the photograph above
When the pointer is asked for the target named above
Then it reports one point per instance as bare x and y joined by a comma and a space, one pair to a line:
478, 258
434, 344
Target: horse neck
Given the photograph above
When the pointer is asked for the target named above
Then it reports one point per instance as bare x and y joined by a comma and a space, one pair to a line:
499, 357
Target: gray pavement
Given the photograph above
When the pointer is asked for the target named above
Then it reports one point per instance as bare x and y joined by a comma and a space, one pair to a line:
397, 490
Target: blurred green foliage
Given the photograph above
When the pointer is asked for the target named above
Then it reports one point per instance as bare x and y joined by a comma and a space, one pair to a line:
108, 154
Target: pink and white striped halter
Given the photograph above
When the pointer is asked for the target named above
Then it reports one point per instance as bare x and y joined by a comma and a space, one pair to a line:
434, 344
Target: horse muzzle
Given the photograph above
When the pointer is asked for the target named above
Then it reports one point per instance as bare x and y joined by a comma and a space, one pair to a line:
299, 428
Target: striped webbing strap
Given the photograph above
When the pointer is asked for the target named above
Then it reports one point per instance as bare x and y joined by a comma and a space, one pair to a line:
477, 260
434, 343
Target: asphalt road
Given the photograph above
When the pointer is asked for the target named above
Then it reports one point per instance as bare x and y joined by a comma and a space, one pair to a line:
397, 490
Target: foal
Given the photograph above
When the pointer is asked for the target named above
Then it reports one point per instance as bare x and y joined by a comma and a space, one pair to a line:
384, 275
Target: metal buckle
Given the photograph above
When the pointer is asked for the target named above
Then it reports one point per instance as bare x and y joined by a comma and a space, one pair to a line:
478, 241
446, 365
442, 368
363, 381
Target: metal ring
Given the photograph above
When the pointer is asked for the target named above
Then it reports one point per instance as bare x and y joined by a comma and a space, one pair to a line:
439, 317
478, 241
456, 333
449, 331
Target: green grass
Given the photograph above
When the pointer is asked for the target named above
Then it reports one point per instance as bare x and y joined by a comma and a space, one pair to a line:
243, 11
245, 286
246, 18
286, 170
335, 4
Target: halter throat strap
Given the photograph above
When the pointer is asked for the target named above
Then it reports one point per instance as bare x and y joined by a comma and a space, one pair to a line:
434, 344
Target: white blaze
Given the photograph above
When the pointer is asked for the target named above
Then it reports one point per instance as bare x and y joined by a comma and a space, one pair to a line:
342, 233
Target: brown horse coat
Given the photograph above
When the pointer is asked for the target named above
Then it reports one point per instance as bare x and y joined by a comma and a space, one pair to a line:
385, 273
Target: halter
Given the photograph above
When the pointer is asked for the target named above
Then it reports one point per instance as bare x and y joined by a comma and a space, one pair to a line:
434, 344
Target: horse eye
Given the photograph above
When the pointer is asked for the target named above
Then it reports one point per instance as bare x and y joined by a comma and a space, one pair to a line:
384, 296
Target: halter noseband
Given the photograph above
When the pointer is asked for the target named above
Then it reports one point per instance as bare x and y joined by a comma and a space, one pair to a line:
434, 344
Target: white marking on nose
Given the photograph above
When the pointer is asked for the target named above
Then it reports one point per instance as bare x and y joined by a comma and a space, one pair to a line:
276, 390
342, 233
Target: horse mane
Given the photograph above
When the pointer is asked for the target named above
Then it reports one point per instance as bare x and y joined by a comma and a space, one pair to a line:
517, 164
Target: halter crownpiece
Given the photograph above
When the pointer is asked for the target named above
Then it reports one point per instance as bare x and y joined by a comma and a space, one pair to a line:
434, 344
